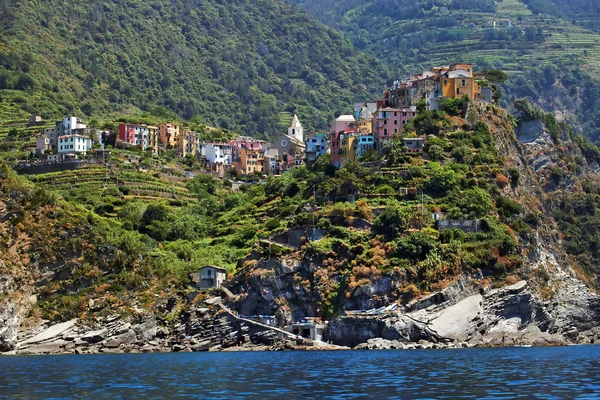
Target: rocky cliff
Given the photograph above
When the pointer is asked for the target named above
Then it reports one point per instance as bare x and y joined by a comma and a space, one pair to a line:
538, 292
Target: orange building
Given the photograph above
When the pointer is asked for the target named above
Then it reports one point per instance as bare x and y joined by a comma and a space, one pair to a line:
249, 161
167, 134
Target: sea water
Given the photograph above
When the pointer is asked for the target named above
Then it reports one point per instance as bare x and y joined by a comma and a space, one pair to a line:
560, 372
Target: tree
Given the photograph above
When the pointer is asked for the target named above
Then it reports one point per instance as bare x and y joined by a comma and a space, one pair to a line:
371, 155
495, 75
415, 246
390, 222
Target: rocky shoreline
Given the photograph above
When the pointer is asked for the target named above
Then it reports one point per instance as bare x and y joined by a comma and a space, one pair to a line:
462, 316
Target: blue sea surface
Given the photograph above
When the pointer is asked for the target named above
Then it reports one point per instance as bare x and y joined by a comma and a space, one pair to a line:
507, 373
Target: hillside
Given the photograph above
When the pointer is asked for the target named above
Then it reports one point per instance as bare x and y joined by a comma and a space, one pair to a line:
526, 203
547, 55
241, 65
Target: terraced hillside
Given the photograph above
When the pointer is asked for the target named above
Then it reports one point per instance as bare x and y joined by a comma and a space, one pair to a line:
97, 185
549, 57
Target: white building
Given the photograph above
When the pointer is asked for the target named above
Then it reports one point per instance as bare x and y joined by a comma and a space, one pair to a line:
72, 144
218, 153
63, 128
295, 130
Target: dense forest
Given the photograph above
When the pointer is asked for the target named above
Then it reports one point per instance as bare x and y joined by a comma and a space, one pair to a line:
238, 64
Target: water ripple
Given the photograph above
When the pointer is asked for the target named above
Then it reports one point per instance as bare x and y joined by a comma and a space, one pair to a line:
548, 373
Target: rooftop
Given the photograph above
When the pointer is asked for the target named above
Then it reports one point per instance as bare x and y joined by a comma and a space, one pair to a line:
296, 122
345, 118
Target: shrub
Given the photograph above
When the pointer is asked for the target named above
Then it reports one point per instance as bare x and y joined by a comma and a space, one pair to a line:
502, 181
364, 211
515, 175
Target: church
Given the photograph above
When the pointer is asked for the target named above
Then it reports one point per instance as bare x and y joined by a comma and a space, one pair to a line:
292, 143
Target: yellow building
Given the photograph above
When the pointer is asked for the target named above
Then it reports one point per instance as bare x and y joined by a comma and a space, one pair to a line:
347, 149
459, 81
153, 139
167, 134
365, 126
188, 142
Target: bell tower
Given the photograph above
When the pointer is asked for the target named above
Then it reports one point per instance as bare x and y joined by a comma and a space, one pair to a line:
295, 130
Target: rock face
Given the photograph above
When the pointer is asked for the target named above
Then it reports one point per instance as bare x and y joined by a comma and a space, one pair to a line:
9, 326
509, 316
351, 331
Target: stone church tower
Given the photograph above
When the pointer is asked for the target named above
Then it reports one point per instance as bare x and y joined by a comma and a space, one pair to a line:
295, 130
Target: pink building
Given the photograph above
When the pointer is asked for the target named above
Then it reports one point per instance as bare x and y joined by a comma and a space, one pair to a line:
388, 122
127, 133
343, 123
245, 142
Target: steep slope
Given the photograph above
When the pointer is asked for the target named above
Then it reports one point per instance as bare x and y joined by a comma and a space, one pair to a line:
548, 56
238, 64
450, 295
518, 207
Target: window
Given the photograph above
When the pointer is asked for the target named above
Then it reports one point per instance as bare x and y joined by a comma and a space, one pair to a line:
396, 130
445, 82
464, 82
385, 132
385, 121
457, 91
395, 113
395, 122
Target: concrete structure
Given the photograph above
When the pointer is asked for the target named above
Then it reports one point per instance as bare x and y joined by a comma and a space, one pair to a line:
153, 141
458, 83
245, 142
366, 111
288, 145
72, 144
308, 328
42, 145
347, 148
335, 143
218, 153
414, 145
486, 94
270, 166
440, 82
35, 120
188, 142
343, 123
167, 135
466, 225
250, 161
388, 122
68, 126
365, 126
295, 130
211, 277
138, 135
363, 144
316, 146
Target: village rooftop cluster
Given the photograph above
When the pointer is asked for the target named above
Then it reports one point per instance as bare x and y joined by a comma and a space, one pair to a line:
350, 137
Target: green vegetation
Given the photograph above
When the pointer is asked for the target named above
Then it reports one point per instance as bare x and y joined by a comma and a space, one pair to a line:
239, 65
544, 52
